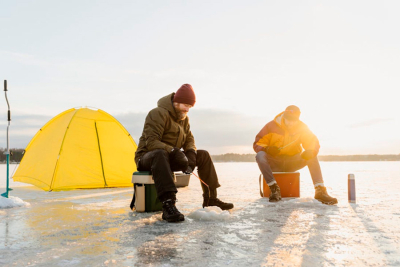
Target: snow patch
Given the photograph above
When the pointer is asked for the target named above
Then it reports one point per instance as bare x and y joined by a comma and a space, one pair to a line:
11, 202
210, 214
304, 200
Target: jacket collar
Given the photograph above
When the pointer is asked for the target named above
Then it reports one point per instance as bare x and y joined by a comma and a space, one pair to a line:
166, 103
279, 120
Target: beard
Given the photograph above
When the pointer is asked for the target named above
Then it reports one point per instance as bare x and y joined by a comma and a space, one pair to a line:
180, 115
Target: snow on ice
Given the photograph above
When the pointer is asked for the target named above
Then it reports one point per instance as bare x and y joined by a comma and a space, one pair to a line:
12, 202
210, 214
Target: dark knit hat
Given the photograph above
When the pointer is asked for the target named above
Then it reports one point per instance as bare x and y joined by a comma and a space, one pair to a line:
185, 95
292, 113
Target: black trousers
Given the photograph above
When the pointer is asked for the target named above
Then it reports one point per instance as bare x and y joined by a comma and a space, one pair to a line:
157, 161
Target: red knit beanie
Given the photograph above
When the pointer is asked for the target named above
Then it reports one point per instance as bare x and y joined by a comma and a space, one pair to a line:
185, 95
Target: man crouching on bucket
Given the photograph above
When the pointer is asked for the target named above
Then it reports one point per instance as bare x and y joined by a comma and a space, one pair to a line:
279, 149
166, 131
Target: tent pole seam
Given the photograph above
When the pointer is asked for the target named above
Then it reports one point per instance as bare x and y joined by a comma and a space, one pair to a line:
101, 157
59, 153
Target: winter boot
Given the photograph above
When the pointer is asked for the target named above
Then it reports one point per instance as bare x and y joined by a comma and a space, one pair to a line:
207, 202
212, 200
275, 195
170, 212
322, 196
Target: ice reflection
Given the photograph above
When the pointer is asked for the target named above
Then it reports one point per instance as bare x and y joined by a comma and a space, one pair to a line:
349, 247
288, 248
161, 250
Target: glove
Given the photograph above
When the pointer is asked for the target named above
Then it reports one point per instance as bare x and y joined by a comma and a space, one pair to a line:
178, 157
272, 150
308, 154
191, 156
189, 170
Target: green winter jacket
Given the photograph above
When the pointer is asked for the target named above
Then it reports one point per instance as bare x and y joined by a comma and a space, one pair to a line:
162, 130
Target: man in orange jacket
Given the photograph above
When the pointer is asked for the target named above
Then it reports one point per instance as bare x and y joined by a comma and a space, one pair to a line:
279, 147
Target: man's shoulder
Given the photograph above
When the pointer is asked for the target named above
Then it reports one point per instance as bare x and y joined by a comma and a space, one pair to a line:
157, 115
272, 124
302, 126
159, 111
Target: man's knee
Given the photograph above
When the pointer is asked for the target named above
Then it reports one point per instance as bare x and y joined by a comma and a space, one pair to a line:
203, 154
202, 157
261, 157
161, 154
312, 161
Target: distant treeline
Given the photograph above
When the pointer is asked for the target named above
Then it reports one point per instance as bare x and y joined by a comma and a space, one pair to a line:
360, 158
16, 155
232, 157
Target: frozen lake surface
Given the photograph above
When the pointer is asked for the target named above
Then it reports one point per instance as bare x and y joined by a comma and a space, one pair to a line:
97, 228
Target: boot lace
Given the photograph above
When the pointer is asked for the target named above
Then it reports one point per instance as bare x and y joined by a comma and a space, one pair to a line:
322, 190
219, 202
171, 208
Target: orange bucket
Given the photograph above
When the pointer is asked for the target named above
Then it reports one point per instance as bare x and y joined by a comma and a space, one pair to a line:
289, 183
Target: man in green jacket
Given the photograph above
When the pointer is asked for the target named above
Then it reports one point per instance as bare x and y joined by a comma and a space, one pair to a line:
167, 145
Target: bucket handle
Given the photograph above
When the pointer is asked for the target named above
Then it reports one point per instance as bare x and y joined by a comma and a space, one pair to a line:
259, 180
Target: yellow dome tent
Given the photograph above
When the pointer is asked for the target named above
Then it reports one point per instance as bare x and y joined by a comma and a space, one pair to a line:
79, 148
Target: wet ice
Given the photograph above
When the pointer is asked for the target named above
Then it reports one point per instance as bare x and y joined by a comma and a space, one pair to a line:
97, 228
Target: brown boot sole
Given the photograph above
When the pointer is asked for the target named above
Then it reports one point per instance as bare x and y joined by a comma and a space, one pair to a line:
275, 200
333, 202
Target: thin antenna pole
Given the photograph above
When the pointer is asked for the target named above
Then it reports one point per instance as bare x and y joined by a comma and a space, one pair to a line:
8, 143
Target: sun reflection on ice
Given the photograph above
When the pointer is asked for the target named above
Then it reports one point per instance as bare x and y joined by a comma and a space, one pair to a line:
289, 247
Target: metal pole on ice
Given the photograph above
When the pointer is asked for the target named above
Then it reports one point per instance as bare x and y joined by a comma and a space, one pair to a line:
351, 188
8, 146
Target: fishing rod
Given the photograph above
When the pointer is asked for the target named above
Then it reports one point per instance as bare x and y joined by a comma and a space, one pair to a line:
8, 144
280, 148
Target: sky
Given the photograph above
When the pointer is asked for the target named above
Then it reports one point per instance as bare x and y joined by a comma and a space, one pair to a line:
339, 61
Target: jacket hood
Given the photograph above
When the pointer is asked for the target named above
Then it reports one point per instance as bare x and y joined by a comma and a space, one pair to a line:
166, 103
279, 120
